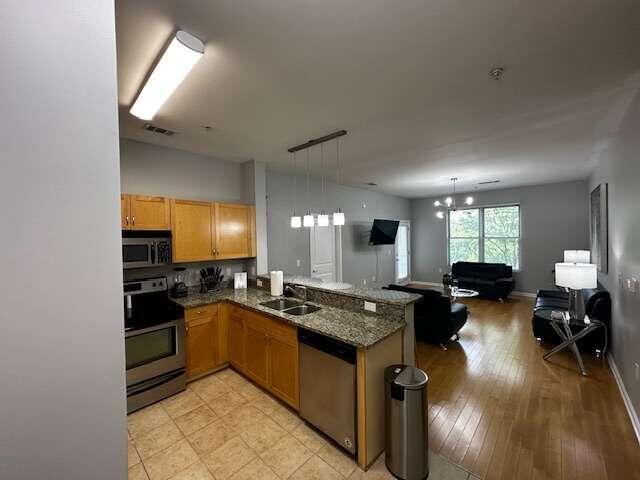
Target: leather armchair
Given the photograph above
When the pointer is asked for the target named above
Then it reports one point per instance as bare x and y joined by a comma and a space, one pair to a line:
597, 304
436, 319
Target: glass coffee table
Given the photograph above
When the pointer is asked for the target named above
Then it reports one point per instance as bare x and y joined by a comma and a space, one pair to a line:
561, 323
455, 293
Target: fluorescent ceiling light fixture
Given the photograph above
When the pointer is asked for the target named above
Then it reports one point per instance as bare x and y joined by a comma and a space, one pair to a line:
178, 59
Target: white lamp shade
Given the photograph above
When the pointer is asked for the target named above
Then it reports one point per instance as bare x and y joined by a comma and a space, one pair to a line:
448, 200
296, 222
181, 55
338, 218
440, 215
307, 221
323, 220
468, 200
577, 256
437, 203
576, 276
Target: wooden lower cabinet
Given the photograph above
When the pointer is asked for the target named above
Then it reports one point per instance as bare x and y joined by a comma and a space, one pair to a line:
236, 338
202, 339
256, 348
266, 351
283, 368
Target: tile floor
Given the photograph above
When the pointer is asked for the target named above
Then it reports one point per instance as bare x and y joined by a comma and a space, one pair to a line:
223, 427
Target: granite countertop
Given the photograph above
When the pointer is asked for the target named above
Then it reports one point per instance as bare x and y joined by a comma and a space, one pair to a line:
358, 329
391, 297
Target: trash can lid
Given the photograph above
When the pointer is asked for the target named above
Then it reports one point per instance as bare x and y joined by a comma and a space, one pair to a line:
411, 378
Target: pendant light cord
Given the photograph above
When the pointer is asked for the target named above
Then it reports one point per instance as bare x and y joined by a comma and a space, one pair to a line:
295, 184
308, 196
322, 170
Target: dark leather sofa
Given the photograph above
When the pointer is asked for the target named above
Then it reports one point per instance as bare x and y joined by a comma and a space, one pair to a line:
597, 304
436, 319
490, 280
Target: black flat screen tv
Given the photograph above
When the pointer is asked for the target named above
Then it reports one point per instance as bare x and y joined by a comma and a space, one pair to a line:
383, 232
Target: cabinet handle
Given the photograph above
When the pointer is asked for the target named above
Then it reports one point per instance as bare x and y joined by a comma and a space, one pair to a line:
126, 220
186, 328
199, 312
133, 220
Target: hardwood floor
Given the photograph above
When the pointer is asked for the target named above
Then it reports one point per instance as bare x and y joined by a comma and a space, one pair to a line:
500, 411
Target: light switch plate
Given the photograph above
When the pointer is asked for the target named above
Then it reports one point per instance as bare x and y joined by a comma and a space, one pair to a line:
370, 306
259, 282
297, 262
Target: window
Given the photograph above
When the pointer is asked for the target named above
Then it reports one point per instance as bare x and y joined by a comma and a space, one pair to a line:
486, 234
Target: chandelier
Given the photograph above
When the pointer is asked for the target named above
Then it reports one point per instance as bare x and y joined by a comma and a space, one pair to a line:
449, 203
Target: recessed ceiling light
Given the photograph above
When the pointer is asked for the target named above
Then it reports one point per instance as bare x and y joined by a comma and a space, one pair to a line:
496, 73
176, 62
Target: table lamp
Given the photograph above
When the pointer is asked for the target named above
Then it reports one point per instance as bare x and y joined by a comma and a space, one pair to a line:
575, 277
577, 256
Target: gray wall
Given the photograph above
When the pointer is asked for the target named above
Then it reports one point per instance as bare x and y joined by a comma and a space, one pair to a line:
62, 345
554, 217
619, 166
286, 245
152, 170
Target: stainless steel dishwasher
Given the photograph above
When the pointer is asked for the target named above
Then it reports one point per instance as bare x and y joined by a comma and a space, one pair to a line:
328, 387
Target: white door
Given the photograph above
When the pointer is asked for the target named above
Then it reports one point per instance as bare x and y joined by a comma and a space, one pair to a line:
403, 253
322, 246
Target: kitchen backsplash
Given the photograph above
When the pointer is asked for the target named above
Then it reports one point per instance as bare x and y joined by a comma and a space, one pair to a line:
191, 276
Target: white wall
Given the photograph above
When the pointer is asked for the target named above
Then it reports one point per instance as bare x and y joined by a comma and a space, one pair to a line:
619, 166
62, 380
554, 218
360, 261
153, 170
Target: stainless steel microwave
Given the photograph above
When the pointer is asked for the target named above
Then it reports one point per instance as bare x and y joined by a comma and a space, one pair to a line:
148, 248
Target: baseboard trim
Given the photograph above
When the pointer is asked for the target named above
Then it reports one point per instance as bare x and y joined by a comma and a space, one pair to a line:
633, 416
427, 284
515, 293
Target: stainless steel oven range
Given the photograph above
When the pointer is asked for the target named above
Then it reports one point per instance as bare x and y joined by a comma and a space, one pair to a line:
154, 343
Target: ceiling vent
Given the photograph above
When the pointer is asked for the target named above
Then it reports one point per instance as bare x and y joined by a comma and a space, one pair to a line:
154, 129
371, 184
488, 182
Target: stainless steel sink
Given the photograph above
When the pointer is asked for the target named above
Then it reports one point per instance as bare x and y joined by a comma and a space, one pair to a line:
302, 309
281, 303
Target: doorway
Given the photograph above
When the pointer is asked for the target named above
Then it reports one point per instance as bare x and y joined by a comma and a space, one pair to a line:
403, 253
325, 248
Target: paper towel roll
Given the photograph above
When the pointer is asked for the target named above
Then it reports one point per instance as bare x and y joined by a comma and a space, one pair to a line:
276, 282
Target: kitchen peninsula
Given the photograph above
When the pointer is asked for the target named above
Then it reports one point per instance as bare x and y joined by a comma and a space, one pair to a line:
234, 328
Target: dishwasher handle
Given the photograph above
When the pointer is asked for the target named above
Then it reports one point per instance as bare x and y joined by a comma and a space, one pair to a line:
328, 345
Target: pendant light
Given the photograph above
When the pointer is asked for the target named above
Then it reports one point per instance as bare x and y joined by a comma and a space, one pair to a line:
308, 220
449, 203
296, 221
338, 216
323, 218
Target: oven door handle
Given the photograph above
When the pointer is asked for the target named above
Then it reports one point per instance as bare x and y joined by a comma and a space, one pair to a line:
178, 324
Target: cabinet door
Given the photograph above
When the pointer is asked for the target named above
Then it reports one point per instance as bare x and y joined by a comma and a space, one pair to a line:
124, 212
283, 370
233, 231
236, 340
201, 345
192, 228
149, 213
256, 354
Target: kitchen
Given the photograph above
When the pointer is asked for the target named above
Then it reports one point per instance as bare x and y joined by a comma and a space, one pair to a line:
221, 328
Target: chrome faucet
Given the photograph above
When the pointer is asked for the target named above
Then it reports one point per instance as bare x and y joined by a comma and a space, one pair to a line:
294, 291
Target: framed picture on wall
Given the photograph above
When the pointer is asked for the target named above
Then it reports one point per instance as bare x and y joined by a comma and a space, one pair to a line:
600, 227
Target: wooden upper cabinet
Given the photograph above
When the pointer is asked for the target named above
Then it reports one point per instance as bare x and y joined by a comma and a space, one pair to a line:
124, 212
193, 227
149, 213
233, 231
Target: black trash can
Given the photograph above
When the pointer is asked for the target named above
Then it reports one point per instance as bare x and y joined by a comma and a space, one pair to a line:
406, 450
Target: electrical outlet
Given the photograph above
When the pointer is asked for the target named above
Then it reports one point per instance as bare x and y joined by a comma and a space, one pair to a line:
259, 282
297, 262
370, 306
364, 281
